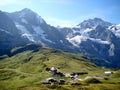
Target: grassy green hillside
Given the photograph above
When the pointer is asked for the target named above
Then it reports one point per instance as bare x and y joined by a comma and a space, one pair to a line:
26, 70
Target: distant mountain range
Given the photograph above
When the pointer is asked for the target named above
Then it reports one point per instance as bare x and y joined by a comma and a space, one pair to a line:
95, 39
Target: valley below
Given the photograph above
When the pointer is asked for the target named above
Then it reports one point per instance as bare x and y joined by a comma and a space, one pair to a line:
27, 71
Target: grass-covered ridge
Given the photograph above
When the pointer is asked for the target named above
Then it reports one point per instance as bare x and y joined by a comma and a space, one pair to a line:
26, 70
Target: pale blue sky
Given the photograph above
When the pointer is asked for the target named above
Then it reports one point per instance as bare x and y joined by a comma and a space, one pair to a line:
67, 12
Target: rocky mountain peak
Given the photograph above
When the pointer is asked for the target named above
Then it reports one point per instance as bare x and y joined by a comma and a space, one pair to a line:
94, 23
26, 10
27, 15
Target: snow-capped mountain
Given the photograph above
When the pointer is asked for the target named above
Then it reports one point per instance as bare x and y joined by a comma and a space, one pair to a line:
33, 28
28, 23
9, 35
95, 39
93, 23
88, 30
115, 29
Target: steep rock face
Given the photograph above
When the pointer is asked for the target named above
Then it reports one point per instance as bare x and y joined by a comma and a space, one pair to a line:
96, 38
93, 23
32, 27
9, 35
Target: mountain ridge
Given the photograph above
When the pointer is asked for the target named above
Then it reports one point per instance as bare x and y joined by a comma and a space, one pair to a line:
91, 38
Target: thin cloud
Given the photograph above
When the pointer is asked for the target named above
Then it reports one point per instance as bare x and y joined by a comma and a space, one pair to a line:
58, 22
6, 2
64, 2
100, 13
9, 2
